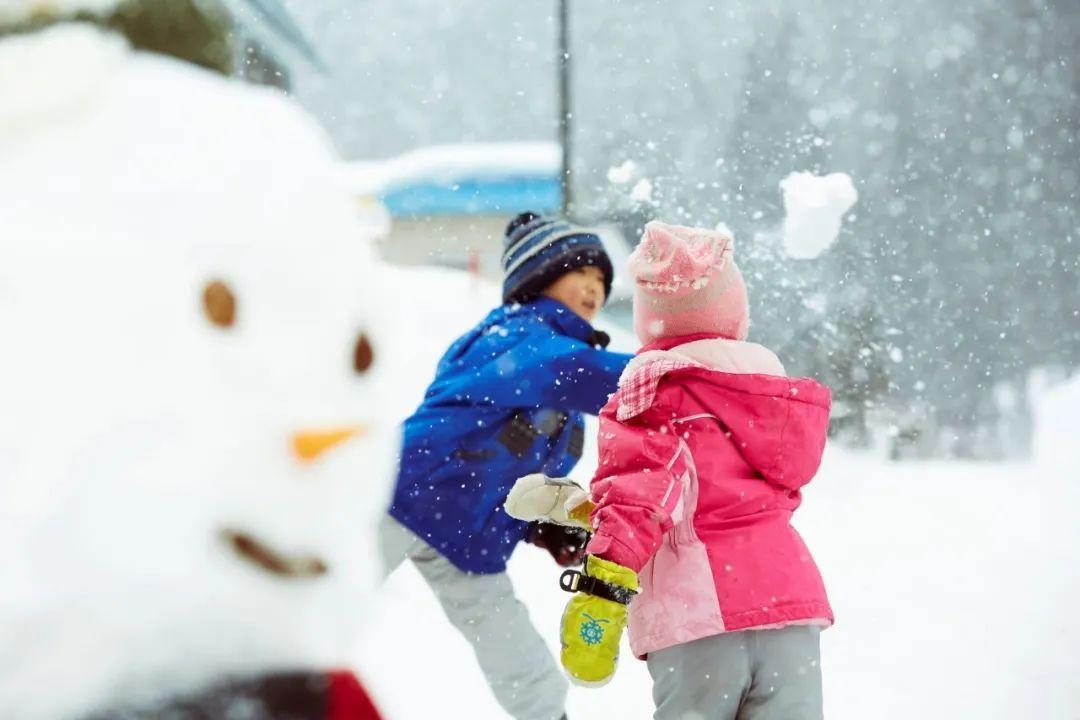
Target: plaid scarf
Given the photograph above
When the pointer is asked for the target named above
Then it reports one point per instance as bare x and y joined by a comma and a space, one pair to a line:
637, 386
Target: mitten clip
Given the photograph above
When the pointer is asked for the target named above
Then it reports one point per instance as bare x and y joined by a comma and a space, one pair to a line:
575, 581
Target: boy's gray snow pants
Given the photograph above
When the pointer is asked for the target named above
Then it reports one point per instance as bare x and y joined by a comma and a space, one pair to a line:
515, 661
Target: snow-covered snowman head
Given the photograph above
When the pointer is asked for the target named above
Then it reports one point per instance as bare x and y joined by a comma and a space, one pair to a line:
191, 452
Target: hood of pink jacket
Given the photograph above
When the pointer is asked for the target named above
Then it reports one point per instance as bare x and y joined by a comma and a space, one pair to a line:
778, 424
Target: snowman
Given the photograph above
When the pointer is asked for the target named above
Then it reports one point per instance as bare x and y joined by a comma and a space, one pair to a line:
192, 456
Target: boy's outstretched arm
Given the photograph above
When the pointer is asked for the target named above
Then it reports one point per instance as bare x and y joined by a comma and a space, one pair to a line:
545, 371
563, 373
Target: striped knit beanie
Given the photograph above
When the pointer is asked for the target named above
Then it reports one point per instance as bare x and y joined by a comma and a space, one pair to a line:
537, 251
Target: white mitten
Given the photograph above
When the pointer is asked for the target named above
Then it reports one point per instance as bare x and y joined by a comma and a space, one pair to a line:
562, 501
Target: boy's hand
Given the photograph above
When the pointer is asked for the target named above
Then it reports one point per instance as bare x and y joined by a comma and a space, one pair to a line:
593, 622
561, 501
566, 544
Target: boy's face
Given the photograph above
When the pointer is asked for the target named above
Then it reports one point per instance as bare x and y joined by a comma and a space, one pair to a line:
581, 290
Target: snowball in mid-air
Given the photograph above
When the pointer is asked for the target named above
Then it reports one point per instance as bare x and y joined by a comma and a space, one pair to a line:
622, 174
642, 191
814, 208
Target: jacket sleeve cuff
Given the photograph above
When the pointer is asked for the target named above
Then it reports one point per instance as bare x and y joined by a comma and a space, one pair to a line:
610, 548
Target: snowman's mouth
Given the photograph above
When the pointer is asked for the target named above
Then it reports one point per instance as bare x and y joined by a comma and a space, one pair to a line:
268, 559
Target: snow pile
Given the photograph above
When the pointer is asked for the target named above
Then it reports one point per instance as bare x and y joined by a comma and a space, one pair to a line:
445, 164
814, 208
1057, 426
137, 432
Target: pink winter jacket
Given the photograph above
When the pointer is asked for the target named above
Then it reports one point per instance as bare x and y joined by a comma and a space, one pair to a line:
703, 451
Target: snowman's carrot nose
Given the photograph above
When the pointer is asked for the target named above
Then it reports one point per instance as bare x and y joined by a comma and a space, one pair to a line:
308, 445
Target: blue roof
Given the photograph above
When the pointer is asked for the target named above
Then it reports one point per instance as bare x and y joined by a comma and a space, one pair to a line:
487, 196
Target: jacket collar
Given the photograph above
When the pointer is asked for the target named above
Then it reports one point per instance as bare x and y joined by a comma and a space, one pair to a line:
554, 313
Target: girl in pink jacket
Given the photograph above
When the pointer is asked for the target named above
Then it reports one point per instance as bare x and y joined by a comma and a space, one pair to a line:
703, 451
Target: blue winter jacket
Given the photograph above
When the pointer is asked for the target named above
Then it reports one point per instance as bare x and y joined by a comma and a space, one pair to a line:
506, 401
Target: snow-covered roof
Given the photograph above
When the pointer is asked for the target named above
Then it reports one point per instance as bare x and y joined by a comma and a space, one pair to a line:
469, 178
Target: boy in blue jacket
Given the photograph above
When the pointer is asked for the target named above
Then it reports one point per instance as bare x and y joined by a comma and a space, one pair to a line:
507, 401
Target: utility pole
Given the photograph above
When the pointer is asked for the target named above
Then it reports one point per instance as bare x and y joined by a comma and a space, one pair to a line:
564, 104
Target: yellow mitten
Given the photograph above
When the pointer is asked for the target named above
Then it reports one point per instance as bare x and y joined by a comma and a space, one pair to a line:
593, 622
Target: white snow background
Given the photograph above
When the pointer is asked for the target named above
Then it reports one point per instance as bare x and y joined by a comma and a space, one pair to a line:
954, 584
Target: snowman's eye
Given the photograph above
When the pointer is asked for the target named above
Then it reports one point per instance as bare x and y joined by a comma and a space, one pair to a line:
363, 354
219, 303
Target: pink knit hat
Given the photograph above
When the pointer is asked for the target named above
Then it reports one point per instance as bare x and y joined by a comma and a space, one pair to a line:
686, 282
